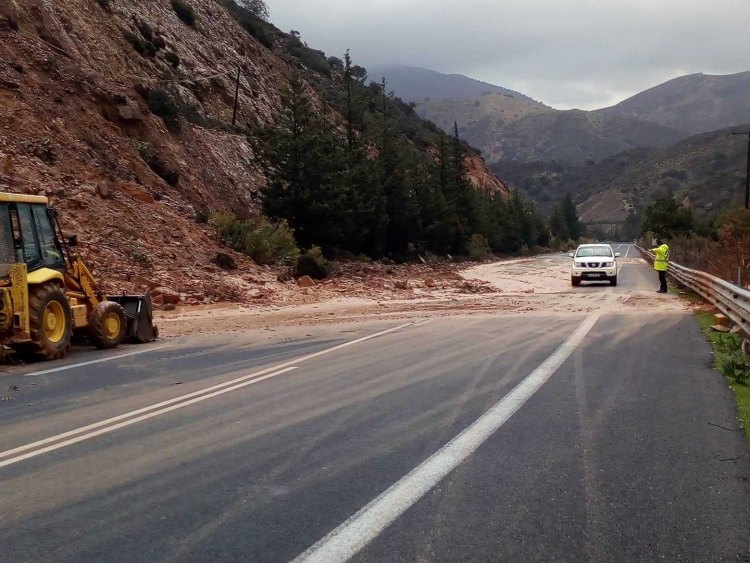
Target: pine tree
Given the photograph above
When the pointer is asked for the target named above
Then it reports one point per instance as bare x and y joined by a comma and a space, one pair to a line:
570, 213
401, 205
558, 225
348, 84
308, 185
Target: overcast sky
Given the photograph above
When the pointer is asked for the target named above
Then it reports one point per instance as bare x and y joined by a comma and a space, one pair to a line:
565, 53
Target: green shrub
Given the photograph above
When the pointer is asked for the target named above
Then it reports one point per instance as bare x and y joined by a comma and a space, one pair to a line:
172, 58
251, 22
103, 3
312, 263
143, 47
734, 367
159, 41
675, 173
261, 240
141, 258
146, 32
479, 247
162, 104
136, 42
728, 343
184, 11
143, 148
202, 216
731, 361
150, 49
310, 58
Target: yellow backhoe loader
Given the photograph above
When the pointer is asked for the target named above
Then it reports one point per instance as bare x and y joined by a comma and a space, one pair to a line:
48, 295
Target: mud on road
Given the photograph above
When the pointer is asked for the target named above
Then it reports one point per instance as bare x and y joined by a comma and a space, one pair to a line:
513, 287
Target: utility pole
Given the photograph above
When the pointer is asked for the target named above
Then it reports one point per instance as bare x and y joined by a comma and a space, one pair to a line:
747, 177
236, 97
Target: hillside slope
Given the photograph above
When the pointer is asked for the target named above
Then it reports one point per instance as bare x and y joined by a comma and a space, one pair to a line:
79, 86
509, 128
706, 172
696, 103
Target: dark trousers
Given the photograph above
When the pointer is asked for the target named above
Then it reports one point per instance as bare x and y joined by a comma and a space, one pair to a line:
663, 281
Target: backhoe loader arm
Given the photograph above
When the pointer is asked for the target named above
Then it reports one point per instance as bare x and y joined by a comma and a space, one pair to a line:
80, 280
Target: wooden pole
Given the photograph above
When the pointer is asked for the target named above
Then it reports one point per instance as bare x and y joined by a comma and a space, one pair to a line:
236, 97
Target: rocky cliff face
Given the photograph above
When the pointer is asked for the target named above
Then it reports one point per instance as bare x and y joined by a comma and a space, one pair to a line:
75, 125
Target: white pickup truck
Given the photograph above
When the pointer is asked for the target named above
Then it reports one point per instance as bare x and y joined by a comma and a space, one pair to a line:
594, 262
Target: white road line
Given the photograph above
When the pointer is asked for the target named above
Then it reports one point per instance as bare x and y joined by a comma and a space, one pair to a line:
628, 251
97, 361
132, 421
127, 415
364, 526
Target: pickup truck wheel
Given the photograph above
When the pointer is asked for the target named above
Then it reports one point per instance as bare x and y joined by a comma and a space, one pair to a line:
575, 281
613, 281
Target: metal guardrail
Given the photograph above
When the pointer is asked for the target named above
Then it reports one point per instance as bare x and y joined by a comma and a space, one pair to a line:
730, 299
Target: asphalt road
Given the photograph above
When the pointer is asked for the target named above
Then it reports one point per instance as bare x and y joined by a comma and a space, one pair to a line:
566, 437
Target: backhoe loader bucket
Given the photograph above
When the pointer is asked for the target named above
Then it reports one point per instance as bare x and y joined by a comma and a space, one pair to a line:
140, 316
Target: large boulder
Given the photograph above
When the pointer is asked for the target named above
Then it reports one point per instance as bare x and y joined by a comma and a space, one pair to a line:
167, 295
306, 281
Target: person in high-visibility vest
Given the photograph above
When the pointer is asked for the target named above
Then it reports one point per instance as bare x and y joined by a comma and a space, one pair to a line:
661, 263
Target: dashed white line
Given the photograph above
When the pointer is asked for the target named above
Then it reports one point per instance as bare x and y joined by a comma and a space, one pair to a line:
364, 526
115, 423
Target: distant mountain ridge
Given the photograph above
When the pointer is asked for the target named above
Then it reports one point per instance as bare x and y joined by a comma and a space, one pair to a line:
510, 128
507, 125
415, 84
696, 103
705, 172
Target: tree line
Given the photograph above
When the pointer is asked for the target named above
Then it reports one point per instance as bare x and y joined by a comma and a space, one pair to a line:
362, 187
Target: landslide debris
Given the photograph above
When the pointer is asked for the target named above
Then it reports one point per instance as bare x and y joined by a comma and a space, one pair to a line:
121, 113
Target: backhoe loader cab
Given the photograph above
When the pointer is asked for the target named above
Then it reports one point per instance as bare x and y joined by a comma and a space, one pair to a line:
47, 294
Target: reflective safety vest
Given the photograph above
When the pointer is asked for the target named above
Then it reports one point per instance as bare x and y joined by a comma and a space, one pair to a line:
661, 258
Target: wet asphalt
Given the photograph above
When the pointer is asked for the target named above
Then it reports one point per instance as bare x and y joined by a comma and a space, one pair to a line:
630, 452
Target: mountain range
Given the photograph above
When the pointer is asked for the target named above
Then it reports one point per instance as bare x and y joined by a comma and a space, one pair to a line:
673, 137
511, 126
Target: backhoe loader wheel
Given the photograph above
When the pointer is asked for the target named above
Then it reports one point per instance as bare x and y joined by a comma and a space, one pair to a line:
50, 321
107, 325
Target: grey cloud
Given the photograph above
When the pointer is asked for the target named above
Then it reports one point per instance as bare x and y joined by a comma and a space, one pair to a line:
566, 53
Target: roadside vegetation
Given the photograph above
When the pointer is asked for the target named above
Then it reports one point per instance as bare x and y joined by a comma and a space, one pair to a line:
730, 360
719, 246
263, 241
